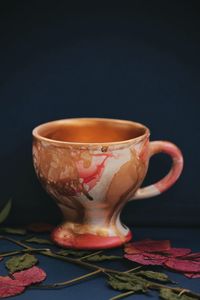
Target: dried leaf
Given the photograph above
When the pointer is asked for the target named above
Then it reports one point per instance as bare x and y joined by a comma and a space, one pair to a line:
40, 227
154, 275
37, 240
192, 256
177, 252
18, 263
181, 265
168, 294
147, 245
147, 259
101, 257
10, 230
10, 287
192, 275
30, 276
5, 211
75, 253
127, 283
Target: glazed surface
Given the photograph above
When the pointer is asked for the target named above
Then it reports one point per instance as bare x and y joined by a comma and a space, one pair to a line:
91, 186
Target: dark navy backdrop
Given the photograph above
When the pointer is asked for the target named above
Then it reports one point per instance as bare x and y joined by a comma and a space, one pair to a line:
139, 63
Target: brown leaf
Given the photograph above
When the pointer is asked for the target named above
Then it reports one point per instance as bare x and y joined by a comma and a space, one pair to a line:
147, 245
101, 257
181, 265
10, 287
30, 276
37, 240
13, 230
75, 253
5, 211
40, 227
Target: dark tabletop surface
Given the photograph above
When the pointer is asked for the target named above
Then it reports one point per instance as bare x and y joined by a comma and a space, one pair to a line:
95, 287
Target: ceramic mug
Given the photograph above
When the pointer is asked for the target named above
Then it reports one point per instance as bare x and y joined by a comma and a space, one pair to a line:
92, 167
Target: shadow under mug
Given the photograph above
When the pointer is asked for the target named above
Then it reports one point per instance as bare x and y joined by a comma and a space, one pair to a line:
92, 167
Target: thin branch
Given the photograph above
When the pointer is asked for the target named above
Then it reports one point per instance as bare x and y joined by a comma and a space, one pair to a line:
11, 253
89, 255
98, 269
68, 282
15, 242
122, 295
134, 269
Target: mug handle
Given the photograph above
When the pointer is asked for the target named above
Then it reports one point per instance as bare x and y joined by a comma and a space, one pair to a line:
174, 173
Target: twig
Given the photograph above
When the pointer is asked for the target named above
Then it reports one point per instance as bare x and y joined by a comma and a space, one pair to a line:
89, 255
122, 295
182, 292
134, 269
15, 242
68, 282
50, 253
11, 253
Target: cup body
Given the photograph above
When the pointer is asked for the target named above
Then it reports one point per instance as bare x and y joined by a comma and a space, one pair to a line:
91, 181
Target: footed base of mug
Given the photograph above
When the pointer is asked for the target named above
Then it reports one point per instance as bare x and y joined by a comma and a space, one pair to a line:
67, 239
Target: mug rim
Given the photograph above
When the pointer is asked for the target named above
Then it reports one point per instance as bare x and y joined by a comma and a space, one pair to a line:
137, 139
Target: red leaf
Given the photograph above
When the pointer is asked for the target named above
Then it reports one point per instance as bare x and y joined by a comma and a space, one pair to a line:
147, 258
40, 227
192, 275
147, 246
193, 256
182, 265
30, 276
10, 287
177, 252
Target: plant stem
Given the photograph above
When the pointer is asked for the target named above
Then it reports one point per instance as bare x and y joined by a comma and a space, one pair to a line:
157, 286
68, 282
89, 255
134, 269
15, 242
179, 290
122, 295
50, 253
11, 253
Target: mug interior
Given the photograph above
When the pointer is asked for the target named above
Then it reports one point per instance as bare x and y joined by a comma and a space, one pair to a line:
90, 130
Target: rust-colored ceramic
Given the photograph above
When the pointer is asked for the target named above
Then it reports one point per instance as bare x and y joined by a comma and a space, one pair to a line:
92, 167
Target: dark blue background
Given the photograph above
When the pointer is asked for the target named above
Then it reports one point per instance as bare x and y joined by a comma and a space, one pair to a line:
139, 63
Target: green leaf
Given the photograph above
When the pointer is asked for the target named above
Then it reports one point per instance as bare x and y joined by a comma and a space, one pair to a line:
5, 211
37, 240
120, 282
10, 230
18, 263
101, 257
168, 294
130, 277
75, 253
154, 275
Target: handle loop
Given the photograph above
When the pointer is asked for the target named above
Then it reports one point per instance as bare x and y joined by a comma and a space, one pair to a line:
174, 173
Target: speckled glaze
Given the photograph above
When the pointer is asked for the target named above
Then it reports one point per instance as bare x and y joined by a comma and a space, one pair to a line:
91, 182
